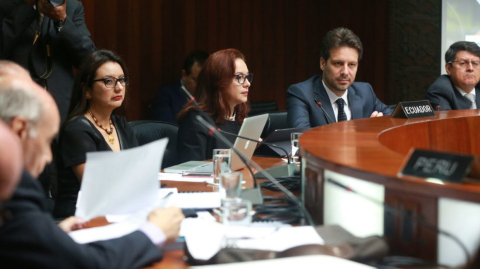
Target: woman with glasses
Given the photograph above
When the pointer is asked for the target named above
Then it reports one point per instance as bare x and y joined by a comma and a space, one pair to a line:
99, 88
222, 93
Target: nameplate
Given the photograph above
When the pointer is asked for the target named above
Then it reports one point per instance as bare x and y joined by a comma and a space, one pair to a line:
439, 165
413, 109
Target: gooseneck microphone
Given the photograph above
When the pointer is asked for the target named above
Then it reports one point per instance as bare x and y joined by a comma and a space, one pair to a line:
319, 104
261, 142
216, 133
405, 213
257, 193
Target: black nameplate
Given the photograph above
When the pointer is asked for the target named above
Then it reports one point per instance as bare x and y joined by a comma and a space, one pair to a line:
440, 165
413, 109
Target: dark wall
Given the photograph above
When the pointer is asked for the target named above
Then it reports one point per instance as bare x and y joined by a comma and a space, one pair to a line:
280, 39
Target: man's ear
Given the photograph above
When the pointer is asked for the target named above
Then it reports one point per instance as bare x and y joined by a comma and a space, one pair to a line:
20, 126
447, 68
184, 73
322, 63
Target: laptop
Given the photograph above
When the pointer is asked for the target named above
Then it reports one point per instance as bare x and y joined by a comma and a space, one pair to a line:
281, 138
252, 127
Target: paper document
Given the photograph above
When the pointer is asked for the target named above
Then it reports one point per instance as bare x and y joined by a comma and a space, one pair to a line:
206, 244
311, 261
185, 177
124, 182
196, 200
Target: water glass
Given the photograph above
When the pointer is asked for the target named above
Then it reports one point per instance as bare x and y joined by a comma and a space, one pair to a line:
236, 212
231, 185
295, 147
221, 163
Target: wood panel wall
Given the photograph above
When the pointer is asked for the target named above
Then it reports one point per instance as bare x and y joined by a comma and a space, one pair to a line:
279, 38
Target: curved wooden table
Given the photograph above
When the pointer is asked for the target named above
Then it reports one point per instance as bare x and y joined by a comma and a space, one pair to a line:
373, 150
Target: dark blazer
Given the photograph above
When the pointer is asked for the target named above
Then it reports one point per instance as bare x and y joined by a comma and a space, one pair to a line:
444, 94
29, 238
303, 111
67, 47
169, 101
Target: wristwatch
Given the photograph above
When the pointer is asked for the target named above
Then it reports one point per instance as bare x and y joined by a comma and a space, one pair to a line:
60, 23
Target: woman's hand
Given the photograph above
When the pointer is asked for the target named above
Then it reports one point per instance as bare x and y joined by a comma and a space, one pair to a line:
71, 224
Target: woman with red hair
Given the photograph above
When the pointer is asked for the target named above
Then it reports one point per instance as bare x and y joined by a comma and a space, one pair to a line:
222, 92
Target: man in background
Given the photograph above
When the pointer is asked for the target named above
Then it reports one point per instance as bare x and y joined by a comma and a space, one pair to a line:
334, 96
458, 89
171, 99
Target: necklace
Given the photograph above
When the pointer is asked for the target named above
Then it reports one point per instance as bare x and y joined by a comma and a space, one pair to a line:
111, 139
232, 118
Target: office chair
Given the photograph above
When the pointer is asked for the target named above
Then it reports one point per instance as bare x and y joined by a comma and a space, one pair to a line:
262, 108
276, 120
147, 131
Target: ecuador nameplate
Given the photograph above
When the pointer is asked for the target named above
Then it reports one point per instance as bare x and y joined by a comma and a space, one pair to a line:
413, 109
439, 165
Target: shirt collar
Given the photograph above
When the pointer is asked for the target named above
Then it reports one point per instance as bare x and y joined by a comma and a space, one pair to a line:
463, 93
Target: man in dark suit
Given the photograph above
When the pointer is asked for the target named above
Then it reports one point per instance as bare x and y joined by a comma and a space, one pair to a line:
171, 99
29, 237
458, 89
62, 29
334, 97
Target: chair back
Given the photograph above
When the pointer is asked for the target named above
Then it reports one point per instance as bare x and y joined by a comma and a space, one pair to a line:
147, 131
262, 108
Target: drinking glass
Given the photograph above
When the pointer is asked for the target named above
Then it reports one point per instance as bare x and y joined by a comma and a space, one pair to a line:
230, 185
294, 140
221, 163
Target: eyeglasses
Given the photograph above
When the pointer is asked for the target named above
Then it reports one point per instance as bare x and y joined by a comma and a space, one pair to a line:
242, 77
462, 64
111, 82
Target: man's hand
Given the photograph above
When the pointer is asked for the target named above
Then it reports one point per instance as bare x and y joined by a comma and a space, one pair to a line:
168, 220
54, 13
71, 224
376, 114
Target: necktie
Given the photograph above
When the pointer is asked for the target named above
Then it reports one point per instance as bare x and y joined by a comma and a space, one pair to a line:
341, 112
471, 98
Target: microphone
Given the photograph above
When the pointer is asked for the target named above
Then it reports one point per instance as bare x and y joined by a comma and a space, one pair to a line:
289, 169
255, 194
215, 132
319, 104
405, 213
438, 108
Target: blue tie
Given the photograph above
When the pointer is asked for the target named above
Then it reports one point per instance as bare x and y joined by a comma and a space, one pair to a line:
341, 112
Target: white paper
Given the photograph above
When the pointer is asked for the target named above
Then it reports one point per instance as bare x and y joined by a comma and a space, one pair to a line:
184, 178
195, 200
311, 261
206, 244
124, 182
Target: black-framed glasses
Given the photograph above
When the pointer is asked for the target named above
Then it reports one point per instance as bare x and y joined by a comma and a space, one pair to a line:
111, 82
242, 77
463, 64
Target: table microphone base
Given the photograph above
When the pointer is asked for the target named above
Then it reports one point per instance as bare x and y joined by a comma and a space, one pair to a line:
254, 195
286, 170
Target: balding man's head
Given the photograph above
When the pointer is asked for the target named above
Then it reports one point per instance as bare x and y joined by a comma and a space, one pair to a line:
31, 113
9, 68
10, 162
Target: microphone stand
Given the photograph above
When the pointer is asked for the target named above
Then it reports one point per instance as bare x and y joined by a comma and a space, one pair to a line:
289, 169
256, 166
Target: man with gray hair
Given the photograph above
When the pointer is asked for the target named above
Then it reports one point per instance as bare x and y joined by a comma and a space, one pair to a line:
458, 89
10, 163
29, 236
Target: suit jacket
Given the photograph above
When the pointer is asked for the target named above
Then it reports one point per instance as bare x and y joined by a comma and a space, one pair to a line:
67, 47
29, 238
169, 101
444, 94
304, 112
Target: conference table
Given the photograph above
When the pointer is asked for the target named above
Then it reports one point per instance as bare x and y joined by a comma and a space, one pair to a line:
366, 155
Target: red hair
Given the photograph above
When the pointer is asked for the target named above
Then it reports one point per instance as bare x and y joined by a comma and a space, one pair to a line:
212, 85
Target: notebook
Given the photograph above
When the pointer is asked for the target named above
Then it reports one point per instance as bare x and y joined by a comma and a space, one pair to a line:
252, 127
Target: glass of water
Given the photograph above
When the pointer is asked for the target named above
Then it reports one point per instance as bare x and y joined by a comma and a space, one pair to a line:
221, 163
294, 140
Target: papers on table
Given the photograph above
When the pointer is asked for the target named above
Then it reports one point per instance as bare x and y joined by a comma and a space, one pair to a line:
311, 261
209, 241
121, 182
185, 178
